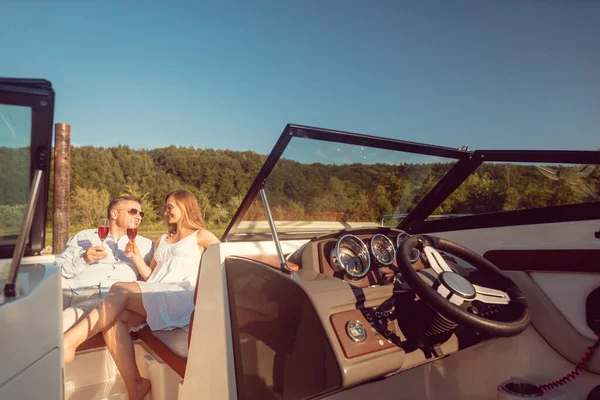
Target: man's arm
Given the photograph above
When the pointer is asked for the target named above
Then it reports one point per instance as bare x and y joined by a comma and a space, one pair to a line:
78, 254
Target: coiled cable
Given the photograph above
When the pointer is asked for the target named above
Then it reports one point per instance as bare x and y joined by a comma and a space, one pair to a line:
576, 371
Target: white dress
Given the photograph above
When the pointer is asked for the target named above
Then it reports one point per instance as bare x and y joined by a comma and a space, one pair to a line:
168, 293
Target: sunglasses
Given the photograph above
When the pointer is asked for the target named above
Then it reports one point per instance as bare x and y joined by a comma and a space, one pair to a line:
133, 211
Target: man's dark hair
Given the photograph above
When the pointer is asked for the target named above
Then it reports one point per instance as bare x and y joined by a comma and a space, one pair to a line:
113, 203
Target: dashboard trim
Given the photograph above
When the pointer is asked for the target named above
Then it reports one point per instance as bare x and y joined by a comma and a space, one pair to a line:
374, 341
564, 260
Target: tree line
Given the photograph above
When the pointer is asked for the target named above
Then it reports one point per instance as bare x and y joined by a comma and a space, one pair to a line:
220, 179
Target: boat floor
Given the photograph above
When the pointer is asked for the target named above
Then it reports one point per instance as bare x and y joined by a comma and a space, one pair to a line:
114, 390
93, 375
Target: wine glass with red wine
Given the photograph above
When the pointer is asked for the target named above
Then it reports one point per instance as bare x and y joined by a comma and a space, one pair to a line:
103, 229
132, 230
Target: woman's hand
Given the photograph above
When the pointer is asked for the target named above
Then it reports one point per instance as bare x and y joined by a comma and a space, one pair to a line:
133, 251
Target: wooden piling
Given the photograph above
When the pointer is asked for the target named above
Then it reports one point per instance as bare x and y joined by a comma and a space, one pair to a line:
62, 186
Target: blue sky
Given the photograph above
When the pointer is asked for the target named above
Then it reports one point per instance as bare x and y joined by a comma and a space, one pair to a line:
230, 75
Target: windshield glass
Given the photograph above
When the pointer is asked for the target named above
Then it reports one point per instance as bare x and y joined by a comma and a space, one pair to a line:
319, 186
15, 136
506, 186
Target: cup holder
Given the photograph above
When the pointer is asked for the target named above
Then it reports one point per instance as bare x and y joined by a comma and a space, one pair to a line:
522, 389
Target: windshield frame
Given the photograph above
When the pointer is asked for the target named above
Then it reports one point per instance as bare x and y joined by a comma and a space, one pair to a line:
416, 222
38, 95
300, 131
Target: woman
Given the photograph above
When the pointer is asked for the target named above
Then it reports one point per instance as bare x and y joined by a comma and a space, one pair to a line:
164, 300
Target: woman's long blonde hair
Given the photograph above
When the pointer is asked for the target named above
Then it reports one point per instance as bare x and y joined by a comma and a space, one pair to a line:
191, 216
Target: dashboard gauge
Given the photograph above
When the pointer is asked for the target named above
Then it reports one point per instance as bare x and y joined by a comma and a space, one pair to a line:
351, 255
356, 331
416, 253
382, 249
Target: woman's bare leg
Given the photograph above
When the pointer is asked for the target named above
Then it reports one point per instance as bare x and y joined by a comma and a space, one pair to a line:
122, 296
119, 343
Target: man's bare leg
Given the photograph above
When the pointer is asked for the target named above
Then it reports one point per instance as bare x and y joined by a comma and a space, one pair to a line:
72, 315
122, 296
67, 293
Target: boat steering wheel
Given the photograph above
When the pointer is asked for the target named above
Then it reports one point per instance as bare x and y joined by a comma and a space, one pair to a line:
452, 293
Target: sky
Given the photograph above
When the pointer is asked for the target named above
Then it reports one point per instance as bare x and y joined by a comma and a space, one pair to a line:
230, 75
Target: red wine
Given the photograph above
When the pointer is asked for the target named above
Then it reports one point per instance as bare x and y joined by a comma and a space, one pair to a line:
131, 233
102, 232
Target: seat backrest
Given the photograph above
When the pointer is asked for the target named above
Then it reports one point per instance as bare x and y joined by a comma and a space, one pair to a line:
194, 310
268, 260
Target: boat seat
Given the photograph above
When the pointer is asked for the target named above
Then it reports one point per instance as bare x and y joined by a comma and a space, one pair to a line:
170, 346
173, 346
176, 340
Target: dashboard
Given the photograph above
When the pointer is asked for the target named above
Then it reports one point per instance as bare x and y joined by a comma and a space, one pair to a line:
364, 258
368, 257
347, 307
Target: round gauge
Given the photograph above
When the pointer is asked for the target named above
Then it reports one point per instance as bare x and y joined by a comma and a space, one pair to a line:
415, 252
383, 249
351, 255
356, 331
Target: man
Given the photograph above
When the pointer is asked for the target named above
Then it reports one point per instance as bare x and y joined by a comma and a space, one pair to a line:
90, 267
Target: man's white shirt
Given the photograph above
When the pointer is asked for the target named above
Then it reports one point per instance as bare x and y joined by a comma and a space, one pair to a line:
114, 268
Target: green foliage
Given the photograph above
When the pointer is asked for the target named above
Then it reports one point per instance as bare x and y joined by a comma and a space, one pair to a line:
133, 189
14, 176
220, 179
10, 219
506, 187
87, 206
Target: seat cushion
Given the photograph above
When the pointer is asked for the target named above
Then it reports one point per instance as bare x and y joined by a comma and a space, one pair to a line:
172, 348
176, 340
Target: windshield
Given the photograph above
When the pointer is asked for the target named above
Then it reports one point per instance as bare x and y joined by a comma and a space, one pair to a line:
318, 186
509, 186
15, 136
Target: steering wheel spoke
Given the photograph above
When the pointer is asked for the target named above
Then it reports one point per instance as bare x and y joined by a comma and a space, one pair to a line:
490, 296
436, 261
451, 297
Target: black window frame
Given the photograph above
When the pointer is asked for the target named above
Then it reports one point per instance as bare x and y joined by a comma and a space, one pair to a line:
416, 221
327, 135
551, 214
39, 96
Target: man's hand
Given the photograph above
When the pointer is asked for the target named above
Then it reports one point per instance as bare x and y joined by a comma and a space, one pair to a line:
93, 254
